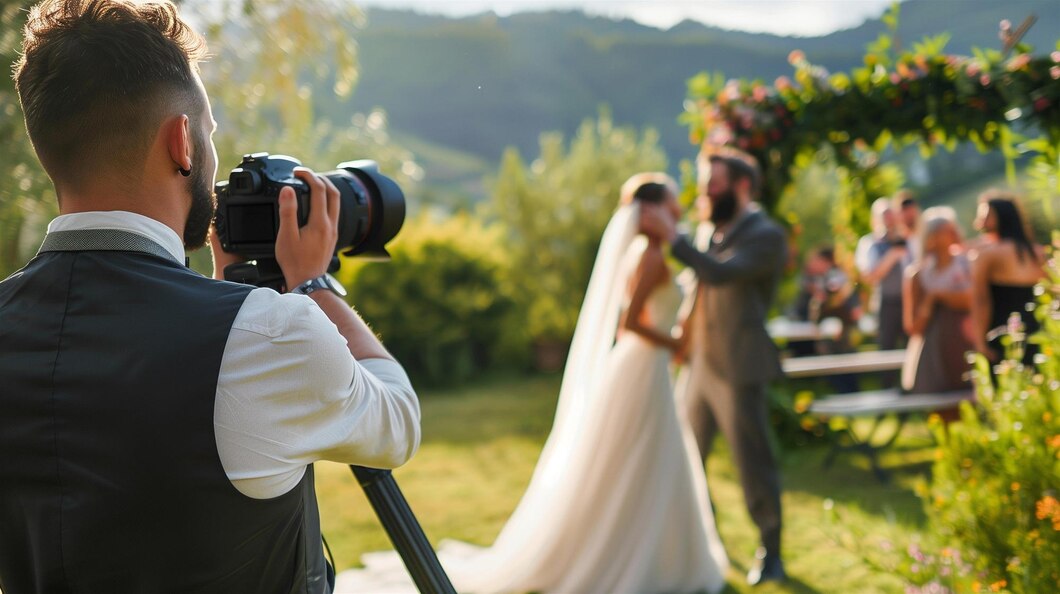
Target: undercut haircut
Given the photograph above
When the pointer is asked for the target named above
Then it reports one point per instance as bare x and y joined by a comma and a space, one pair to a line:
96, 78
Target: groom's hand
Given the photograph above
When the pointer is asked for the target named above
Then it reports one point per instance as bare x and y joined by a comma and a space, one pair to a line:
680, 354
655, 222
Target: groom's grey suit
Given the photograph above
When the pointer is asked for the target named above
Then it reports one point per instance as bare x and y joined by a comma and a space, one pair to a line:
732, 357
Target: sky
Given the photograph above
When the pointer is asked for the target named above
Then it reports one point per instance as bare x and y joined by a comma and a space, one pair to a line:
782, 17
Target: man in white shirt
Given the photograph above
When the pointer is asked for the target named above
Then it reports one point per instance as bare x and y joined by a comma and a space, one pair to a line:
158, 429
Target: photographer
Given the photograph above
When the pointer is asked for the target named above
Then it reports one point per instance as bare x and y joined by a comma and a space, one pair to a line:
157, 428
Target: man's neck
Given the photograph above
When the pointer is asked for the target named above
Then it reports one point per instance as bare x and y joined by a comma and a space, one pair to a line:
72, 203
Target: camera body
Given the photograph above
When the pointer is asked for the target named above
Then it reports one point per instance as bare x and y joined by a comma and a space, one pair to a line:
371, 212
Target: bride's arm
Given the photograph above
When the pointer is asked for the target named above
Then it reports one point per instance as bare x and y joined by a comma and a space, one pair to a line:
649, 274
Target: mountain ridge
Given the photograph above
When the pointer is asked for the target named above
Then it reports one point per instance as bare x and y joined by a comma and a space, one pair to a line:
484, 82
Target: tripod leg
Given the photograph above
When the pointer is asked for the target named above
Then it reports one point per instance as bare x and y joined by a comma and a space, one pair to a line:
404, 530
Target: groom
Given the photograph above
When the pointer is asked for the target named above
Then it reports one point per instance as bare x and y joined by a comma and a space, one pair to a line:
732, 356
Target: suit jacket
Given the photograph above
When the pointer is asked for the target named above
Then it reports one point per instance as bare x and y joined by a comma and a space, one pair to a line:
738, 277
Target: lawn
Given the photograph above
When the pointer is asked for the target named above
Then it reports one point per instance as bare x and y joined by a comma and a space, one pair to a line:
481, 442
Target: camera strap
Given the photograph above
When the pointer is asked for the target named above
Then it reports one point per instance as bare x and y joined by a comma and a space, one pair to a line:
103, 240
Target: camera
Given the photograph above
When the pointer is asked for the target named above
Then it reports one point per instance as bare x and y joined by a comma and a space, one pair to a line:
371, 212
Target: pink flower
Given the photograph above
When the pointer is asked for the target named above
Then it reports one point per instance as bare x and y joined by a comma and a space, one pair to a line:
1006, 25
895, 78
1055, 72
760, 93
795, 57
972, 69
1055, 56
984, 80
1018, 62
732, 90
783, 83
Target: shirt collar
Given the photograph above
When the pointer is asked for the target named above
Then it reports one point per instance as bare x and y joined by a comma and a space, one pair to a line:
121, 220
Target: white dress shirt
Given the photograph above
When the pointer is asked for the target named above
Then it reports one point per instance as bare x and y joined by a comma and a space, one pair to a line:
289, 393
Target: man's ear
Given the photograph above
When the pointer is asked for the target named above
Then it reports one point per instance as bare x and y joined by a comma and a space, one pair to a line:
743, 188
178, 141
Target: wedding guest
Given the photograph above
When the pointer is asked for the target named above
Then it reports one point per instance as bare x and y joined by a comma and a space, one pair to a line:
908, 209
936, 299
982, 210
1004, 274
881, 264
826, 292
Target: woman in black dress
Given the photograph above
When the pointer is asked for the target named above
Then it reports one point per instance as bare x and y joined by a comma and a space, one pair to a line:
1005, 270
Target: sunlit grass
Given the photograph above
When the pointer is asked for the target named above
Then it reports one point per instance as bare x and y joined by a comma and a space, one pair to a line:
481, 443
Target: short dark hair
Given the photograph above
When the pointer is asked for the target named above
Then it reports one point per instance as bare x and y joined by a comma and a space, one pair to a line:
905, 198
740, 166
96, 77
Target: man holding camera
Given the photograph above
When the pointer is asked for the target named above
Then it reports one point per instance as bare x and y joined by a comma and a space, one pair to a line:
157, 428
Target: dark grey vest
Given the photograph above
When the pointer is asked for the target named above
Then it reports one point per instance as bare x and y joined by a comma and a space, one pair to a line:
110, 481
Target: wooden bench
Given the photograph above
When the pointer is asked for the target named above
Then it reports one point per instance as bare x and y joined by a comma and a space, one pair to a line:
860, 362
878, 405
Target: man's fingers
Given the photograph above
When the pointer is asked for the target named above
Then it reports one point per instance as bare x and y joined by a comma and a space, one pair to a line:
288, 216
318, 199
333, 200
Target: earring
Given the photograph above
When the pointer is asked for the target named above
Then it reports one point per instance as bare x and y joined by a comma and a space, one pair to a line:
184, 172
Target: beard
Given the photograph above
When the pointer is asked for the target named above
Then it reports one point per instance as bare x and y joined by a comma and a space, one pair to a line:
723, 207
203, 202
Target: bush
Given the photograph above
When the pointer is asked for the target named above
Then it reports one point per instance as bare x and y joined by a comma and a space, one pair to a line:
996, 480
441, 305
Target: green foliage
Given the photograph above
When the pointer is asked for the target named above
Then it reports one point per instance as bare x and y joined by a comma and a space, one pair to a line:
27, 200
996, 480
555, 211
441, 305
898, 98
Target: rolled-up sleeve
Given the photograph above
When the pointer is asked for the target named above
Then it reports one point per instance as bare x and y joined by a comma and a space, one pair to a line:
290, 393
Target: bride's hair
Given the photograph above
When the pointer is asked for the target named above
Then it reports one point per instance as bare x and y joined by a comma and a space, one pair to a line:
650, 187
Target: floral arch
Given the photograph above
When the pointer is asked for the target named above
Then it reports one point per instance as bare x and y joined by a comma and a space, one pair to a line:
1006, 100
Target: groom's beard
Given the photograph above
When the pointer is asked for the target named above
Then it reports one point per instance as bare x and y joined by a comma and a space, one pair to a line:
723, 207
203, 203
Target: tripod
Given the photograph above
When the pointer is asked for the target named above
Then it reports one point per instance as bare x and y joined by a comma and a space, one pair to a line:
404, 531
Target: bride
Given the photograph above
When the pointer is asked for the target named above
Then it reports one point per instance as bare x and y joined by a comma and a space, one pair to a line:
618, 501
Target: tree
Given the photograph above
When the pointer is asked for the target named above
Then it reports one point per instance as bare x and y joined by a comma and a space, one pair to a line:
273, 63
555, 211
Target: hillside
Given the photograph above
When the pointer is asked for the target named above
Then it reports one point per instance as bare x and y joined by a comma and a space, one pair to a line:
481, 83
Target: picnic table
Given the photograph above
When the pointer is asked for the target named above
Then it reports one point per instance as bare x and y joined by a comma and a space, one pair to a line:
787, 330
860, 362
879, 405
783, 329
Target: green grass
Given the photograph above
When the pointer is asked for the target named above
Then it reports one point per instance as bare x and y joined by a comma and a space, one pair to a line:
481, 443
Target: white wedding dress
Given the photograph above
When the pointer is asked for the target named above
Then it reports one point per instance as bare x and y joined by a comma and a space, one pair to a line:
618, 501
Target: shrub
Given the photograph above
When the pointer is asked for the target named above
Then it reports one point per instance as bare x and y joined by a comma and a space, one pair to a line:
996, 480
440, 305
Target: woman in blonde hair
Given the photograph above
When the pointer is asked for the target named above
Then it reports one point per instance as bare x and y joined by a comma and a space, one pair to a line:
618, 501
937, 292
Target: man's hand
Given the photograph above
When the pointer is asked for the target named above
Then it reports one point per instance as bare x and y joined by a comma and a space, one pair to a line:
680, 354
221, 258
305, 252
655, 222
